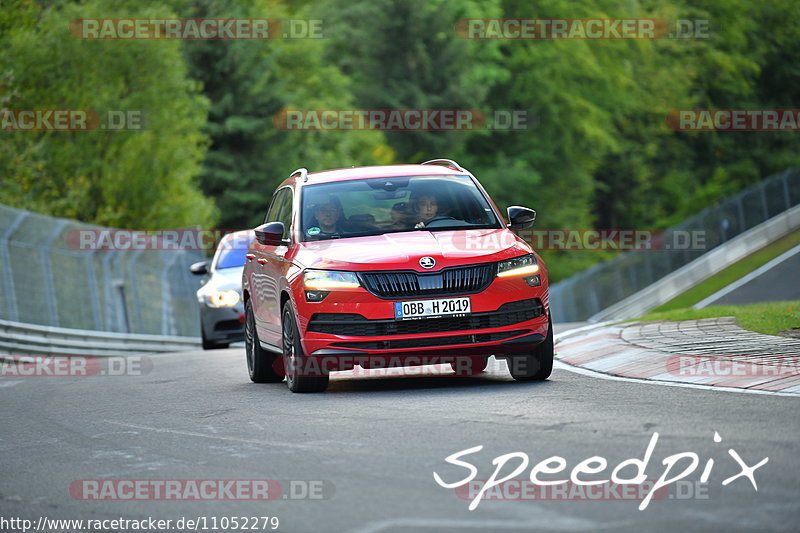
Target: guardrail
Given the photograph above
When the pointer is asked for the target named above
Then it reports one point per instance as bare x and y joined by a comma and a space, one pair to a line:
703, 267
17, 338
591, 292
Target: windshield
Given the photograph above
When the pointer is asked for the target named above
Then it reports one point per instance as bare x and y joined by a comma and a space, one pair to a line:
390, 205
231, 257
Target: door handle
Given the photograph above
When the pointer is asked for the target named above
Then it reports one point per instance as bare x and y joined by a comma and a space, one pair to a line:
262, 260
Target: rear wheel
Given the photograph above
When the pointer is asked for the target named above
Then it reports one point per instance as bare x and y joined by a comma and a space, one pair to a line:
303, 373
263, 366
469, 366
538, 365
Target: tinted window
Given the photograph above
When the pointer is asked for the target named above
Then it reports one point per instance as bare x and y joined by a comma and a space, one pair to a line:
280, 210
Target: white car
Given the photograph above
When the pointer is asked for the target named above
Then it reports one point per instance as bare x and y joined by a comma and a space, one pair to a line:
220, 297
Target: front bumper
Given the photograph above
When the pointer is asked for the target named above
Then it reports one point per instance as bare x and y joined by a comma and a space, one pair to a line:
223, 324
370, 336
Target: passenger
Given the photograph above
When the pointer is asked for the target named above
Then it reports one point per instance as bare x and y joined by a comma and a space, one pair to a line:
400, 217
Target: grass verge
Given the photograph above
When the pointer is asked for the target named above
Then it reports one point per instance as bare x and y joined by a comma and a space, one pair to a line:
769, 318
731, 274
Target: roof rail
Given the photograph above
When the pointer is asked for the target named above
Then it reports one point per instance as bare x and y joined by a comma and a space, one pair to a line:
303, 173
449, 162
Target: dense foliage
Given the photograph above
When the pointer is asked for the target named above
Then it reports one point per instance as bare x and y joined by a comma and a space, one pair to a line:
597, 151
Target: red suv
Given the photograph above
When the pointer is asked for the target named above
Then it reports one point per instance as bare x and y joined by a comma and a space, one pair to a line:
389, 266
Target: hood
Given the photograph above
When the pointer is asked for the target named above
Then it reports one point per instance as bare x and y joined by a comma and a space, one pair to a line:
226, 278
403, 250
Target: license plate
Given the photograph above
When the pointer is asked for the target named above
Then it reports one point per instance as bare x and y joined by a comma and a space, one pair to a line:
431, 308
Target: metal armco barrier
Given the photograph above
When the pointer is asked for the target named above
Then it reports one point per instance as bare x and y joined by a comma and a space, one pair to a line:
703, 267
46, 279
589, 293
28, 339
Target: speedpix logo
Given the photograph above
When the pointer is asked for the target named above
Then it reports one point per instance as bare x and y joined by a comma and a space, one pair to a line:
676, 467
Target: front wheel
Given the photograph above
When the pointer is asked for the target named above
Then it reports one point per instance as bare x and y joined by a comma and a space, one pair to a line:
263, 366
303, 373
537, 365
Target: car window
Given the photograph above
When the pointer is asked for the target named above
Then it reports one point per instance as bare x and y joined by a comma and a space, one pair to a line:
274, 208
387, 205
285, 214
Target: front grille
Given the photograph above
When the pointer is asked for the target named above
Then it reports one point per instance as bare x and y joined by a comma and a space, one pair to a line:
358, 326
447, 282
426, 342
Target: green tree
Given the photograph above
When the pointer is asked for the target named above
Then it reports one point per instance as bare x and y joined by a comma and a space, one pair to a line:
143, 179
405, 54
248, 82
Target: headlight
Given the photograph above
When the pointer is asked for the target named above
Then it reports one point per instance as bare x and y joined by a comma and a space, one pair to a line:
330, 279
227, 298
519, 266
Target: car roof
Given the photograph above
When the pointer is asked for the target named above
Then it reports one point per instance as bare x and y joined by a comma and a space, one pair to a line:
378, 171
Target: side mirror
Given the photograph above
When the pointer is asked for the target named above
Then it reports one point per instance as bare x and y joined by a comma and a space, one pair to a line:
520, 217
199, 268
270, 234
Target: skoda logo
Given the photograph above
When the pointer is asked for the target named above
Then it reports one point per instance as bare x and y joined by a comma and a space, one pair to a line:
427, 262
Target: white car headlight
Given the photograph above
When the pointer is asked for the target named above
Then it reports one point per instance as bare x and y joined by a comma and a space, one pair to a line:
226, 298
518, 266
329, 279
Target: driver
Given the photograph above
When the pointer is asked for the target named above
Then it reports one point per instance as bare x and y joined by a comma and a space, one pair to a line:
427, 208
328, 216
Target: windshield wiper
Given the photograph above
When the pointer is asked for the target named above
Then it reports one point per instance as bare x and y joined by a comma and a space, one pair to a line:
456, 228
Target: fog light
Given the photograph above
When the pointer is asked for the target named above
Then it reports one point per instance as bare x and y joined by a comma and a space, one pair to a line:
533, 281
316, 296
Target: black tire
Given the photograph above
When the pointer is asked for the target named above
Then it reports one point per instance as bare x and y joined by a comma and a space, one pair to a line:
538, 365
469, 366
210, 345
262, 365
303, 374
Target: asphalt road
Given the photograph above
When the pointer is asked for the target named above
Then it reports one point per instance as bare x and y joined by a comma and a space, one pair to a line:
375, 443
778, 284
